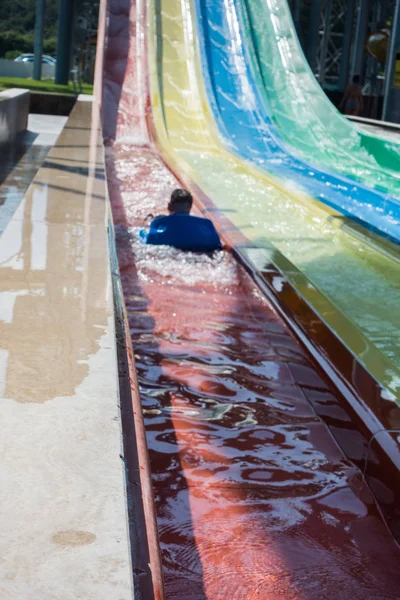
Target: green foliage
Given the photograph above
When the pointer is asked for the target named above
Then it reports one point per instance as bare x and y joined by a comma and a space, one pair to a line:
50, 46
11, 54
42, 86
17, 25
19, 15
13, 40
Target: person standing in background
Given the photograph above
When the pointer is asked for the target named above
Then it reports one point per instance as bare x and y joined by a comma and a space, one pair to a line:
352, 102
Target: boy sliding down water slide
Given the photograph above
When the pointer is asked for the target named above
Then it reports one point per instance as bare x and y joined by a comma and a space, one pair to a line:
180, 229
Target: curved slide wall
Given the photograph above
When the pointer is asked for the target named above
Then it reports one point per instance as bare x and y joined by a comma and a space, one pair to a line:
249, 130
254, 498
305, 117
266, 210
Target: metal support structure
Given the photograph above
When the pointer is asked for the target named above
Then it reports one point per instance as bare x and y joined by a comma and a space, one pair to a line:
325, 41
66, 19
336, 51
383, 12
85, 41
371, 85
295, 7
39, 33
330, 38
391, 105
297, 11
347, 38
313, 33
360, 37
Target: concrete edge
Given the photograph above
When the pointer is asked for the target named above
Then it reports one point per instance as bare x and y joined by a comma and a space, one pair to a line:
394, 127
142, 521
67, 569
14, 112
13, 93
85, 98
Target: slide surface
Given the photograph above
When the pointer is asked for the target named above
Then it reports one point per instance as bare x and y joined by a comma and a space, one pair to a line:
268, 211
305, 117
253, 497
247, 127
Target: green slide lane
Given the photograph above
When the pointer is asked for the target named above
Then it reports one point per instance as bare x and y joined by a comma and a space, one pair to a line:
361, 282
304, 116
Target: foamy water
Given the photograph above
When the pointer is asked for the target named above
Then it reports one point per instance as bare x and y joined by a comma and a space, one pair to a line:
170, 266
246, 477
361, 281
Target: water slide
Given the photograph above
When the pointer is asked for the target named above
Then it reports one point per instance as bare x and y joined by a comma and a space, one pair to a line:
254, 497
269, 211
247, 125
305, 117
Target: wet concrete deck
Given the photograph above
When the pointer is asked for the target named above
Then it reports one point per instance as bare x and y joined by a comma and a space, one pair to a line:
63, 494
21, 160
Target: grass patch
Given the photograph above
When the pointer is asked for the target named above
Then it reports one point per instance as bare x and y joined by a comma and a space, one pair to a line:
42, 86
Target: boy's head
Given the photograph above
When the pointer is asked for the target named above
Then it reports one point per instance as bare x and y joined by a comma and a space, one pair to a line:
181, 202
356, 79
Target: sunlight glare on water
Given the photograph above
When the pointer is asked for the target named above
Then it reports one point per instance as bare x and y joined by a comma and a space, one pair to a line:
232, 438
327, 256
171, 266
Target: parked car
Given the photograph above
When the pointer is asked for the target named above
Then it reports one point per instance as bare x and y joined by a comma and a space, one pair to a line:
46, 60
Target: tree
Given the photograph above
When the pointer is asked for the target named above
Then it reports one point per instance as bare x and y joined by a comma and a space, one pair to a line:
17, 25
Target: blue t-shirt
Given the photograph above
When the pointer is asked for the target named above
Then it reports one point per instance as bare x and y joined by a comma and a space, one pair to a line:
184, 232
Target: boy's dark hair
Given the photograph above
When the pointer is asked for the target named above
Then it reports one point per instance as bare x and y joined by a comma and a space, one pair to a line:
356, 79
181, 201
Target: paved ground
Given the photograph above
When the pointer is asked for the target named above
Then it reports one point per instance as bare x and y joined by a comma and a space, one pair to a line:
20, 161
63, 516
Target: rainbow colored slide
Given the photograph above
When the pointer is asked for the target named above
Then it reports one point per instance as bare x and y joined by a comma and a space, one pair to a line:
303, 114
266, 209
245, 118
269, 375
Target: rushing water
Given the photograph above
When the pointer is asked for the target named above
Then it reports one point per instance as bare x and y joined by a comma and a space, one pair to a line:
253, 497
328, 257
361, 281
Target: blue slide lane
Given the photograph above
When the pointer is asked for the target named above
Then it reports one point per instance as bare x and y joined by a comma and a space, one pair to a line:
246, 126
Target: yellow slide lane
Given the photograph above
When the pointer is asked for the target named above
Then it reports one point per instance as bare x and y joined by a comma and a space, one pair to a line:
269, 211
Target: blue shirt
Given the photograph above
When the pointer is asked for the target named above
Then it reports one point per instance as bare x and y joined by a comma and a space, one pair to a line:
184, 232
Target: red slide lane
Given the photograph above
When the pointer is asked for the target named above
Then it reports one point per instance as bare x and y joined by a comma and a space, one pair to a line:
254, 499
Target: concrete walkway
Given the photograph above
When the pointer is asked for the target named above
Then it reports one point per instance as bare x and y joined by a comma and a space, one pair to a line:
63, 525
21, 160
